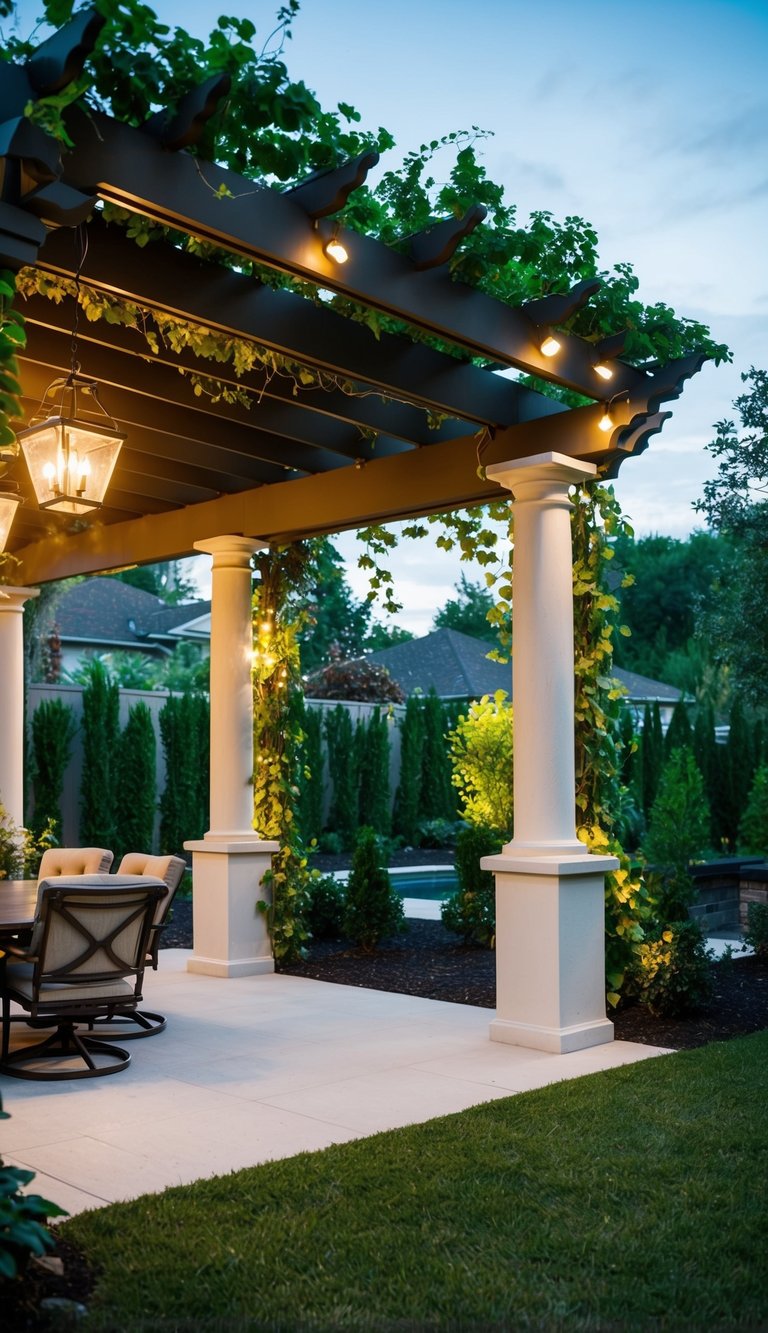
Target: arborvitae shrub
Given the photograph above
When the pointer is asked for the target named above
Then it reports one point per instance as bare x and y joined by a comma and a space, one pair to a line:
405, 821
679, 731
471, 912
339, 735
53, 729
373, 909
311, 780
138, 783
374, 775
652, 752
753, 828
438, 799
737, 772
184, 731
101, 735
677, 833
705, 752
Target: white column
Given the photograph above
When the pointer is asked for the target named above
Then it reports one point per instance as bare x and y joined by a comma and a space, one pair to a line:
231, 687
229, 863
550, 910
12, 676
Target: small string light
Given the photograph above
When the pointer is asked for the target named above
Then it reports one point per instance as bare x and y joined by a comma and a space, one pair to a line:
335, 249
606, 422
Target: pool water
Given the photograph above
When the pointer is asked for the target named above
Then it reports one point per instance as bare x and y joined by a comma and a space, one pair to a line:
432, 885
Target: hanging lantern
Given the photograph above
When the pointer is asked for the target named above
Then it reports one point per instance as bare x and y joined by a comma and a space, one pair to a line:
9, 503
71, 455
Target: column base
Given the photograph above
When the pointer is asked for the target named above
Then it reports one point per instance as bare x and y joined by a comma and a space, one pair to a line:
231, 938
550, 951
557, 1040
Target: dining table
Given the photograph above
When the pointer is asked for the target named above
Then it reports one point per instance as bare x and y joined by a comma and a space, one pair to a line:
18, 899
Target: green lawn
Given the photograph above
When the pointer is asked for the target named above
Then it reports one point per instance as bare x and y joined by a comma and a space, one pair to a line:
635, 1197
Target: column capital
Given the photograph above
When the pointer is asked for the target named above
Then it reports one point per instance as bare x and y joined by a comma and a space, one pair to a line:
231, 551
542, 476
13, 599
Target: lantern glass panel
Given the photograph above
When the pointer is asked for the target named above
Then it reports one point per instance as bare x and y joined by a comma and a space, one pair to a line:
70, 462
8, 506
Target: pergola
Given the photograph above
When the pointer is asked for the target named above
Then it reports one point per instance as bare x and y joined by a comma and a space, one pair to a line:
229, 476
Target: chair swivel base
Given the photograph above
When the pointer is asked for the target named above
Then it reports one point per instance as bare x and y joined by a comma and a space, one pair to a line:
65, 1044
146, 1024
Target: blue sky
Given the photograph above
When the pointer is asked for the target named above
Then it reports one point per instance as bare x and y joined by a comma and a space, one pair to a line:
649, 118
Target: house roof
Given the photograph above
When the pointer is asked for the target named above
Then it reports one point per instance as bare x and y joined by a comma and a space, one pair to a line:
107, 611
457, 666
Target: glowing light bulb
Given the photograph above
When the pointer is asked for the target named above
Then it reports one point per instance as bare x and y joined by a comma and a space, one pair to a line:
606, 422
605, 372
550, 345
336, 251
49, 473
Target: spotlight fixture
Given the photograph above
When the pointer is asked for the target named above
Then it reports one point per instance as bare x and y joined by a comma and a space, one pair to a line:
606, 422
550, 345
602, 369
334, 248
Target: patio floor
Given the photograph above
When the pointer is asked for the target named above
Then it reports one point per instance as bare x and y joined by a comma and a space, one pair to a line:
259, 1068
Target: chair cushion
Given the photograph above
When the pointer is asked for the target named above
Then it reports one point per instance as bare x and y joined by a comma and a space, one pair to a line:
167, 868
19, 982
74, 861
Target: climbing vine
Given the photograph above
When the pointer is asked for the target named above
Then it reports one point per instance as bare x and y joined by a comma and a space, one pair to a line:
12, 340
277, 738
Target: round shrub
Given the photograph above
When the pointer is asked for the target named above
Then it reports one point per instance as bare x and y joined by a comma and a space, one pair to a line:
471, 912
325, 912
674, 970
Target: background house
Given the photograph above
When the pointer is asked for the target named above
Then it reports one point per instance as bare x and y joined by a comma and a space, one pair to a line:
105, 615
458, 668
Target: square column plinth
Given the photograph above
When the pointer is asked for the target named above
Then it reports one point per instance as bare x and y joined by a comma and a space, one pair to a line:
231, 938
550, 951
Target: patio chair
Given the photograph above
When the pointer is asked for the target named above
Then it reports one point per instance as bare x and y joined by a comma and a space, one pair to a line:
86, 959
74, 861
170, 869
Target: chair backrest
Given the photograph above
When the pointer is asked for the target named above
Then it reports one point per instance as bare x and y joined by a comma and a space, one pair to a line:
74, 861
170, 869
90, 930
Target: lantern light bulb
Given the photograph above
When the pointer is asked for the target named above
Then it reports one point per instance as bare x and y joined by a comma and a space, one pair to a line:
604, 371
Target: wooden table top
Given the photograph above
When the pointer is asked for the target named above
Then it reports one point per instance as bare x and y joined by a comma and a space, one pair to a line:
18, 898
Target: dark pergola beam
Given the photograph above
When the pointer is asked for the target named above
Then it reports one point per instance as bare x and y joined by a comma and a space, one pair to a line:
366, 408
174, 393
162, 278
271, 228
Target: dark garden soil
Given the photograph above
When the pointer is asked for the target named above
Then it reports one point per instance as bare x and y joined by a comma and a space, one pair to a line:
429, 961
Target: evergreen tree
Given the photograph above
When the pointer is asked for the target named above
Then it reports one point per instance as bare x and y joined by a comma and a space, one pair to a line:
652, 747
438, 799
138, 783
101, 734
678, 832
373, 909
408, 795
339, 736
468, 612
53, 730
737, 772
753, 827
679, 731
374, 775
629, 749
311, 785
184, 731
704, 746
336, 620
